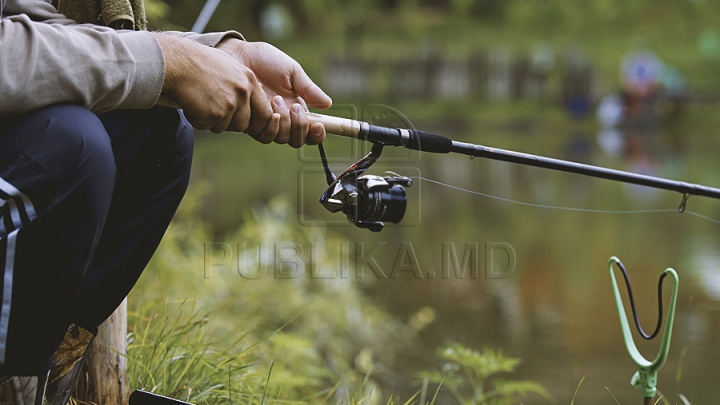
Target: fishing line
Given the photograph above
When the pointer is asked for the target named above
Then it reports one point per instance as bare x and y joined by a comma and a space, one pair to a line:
561, 208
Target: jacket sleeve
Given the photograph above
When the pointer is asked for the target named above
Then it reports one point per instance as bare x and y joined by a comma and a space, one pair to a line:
210, 39
39, 10
45, 58
53, 61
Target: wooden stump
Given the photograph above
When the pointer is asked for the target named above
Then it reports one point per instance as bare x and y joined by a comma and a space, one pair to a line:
103, 379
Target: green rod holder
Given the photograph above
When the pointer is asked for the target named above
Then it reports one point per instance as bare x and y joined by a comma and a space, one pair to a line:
645, 379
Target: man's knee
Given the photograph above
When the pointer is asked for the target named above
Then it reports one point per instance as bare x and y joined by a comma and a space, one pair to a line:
153, 146
74, 142
57, 149
158, 137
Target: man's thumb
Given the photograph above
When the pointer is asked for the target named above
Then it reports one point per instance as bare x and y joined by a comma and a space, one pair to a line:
310, 92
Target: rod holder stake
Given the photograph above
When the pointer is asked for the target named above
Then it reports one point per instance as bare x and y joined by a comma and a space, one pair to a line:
645, 379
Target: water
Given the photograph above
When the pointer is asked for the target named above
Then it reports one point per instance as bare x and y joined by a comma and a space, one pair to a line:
555, 311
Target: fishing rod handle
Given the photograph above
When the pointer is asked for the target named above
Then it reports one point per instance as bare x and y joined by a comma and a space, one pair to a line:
336, 125
333, 125
407, 138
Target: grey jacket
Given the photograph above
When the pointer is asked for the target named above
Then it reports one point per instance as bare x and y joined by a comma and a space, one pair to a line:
45, 58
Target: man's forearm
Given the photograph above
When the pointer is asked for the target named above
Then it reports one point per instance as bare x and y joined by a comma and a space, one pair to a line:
45, 58
43, 64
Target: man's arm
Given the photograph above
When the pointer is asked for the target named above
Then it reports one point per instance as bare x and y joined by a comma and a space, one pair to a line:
37, 10
41, 11
46, 58
102, 69
43, 64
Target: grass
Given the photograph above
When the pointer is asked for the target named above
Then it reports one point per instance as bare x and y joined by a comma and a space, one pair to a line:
228, 339
577, 390
173, 353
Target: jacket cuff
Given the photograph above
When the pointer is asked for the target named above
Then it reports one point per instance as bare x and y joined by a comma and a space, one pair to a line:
210, 39
149, 75
214, 38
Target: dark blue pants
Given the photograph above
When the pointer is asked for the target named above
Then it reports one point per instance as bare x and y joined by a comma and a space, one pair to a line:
84, 202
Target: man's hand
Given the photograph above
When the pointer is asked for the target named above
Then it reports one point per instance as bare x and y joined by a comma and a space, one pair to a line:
216, 91
286, 83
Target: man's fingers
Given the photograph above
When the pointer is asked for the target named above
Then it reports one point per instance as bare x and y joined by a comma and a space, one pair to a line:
309, 91
223, 124
300, 126
270, 131
240, 120
316, 134
261, 110
279, 107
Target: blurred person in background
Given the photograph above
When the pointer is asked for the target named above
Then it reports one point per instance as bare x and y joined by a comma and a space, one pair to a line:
640, 71
92, 169
650, 91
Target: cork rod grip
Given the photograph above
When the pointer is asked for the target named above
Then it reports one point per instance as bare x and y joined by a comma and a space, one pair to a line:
335, 125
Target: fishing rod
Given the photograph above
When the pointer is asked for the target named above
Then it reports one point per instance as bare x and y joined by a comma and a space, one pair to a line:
368, 201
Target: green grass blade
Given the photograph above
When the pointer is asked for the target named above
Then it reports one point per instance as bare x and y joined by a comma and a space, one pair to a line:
576, 390
611, 394
267, 383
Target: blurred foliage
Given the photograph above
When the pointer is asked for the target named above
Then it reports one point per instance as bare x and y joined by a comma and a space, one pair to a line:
474, 374
246, 339
158, 12
324, 16
680, 31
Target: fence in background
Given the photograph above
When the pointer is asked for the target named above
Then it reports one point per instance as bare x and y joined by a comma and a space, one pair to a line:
490, 75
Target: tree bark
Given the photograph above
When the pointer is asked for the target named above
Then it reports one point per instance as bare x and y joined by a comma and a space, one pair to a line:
103, 379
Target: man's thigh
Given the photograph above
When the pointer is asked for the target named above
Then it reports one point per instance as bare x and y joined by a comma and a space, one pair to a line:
56, 181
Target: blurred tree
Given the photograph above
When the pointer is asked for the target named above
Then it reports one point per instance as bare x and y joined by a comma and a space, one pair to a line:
276, 22
709, 44
155, 9
461, 7
157, 12
333, 17
441, 4
489, 9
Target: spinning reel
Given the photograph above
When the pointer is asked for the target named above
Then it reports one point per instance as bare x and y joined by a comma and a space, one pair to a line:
367, 200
